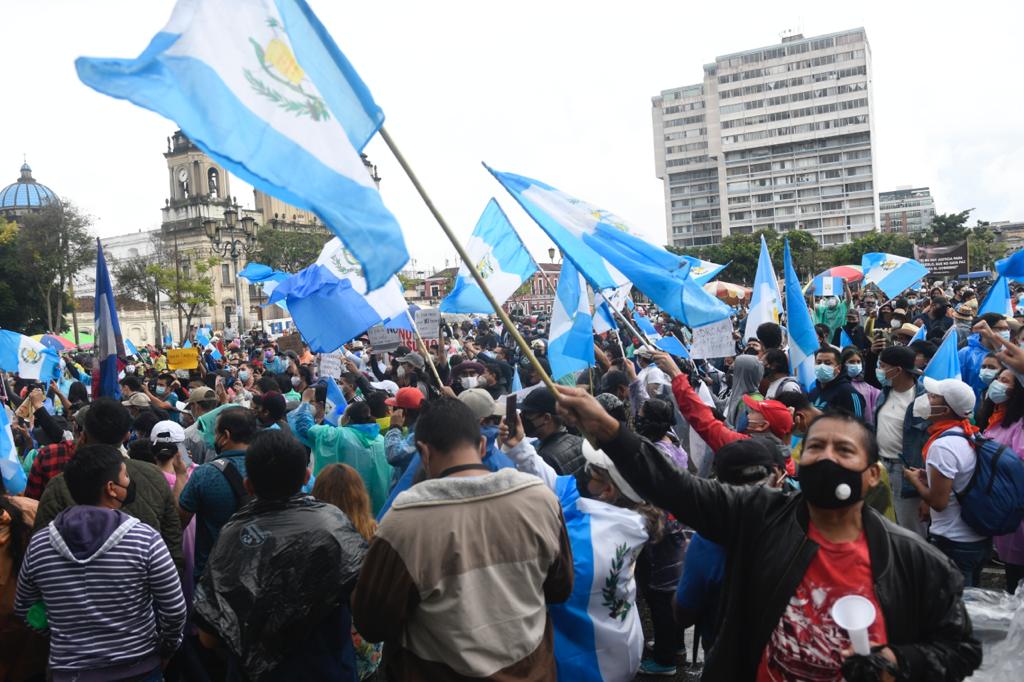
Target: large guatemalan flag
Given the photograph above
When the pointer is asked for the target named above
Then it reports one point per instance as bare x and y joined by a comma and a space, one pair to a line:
109, 345
261, 87
26, 356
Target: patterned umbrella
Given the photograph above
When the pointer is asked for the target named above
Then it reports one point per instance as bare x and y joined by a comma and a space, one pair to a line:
851, 273
54, 342
730, 294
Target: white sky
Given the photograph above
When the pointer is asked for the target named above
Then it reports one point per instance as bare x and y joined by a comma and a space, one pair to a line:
557, 90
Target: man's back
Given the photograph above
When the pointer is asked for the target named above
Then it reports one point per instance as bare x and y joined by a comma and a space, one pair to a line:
209, 495
459, 575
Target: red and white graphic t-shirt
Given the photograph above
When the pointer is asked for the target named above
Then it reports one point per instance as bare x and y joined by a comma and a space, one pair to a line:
807, 644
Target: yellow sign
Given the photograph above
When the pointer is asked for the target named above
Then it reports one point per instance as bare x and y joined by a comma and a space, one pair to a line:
183, 358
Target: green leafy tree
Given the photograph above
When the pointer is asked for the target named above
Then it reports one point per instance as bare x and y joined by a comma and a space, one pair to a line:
288, 250
18, 311
57, 243
984, 246
948, 228
137, 278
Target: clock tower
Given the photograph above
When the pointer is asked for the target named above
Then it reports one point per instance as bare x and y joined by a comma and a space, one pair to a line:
193, 175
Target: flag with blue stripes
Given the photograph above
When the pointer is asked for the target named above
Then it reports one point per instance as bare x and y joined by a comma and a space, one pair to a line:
828, 286
765, 300
670, 344
803, 340
130, 348
26, 356
10, 466
921, 334
570, 338
703, 271
261, 87
609, 253
1012, 266
335, 403
890, 273
998, 299
844, 339
109, 343
499, 256
604, 318
387, 301
203, 339
264, 276
945, 364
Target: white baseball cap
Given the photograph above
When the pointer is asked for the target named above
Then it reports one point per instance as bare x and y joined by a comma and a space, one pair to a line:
958, 395
599, 459
167, 432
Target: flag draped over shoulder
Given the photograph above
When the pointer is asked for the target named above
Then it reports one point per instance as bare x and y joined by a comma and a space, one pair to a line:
261, 87
765, 301
501, 259
570, 338
609, 254
803, 340
109, 344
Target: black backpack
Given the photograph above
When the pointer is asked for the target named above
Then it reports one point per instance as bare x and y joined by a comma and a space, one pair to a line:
234, 478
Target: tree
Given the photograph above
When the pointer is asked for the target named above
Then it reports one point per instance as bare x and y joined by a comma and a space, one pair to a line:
873, 242
984, 246
948, 228
287, 250
137, 279
57, 243
18, 311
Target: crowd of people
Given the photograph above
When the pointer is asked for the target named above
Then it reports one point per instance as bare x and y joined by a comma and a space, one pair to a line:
219, 523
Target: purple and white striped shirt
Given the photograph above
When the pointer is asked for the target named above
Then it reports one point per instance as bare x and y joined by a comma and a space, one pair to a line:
119, 607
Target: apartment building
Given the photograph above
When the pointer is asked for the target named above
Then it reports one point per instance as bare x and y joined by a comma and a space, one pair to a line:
905, 209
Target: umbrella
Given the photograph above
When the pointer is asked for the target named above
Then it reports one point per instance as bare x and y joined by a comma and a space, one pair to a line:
731, 294
851, 273
56, 343
84, 340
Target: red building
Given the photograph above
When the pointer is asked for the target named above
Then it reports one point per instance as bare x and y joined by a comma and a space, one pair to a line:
540, 293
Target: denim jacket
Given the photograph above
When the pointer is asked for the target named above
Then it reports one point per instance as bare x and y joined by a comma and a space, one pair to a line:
915, 435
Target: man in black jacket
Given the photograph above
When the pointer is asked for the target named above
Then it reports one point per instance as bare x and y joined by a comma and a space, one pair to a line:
790, 556
834, 390
556, 446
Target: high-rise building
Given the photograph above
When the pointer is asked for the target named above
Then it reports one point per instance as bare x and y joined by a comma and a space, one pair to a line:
773, 138
905, 209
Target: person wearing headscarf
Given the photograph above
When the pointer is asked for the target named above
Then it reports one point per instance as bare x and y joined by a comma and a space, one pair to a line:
747, 372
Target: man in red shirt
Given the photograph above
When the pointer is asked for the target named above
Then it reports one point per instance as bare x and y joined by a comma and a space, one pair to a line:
791, 556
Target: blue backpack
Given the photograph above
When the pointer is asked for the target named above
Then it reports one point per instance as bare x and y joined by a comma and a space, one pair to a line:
992, 503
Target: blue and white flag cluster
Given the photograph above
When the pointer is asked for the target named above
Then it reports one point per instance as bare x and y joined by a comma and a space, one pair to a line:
335, 403
998, 299
499, 256
10, 466
890, 273
766, 300
26, 356
803, 340
610, 255
670, 344
570, 338
263, 89
109, 344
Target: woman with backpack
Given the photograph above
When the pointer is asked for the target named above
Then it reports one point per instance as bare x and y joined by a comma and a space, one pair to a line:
1002, 417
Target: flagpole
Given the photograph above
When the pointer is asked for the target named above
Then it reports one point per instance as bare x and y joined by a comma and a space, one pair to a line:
639, 334
502, 315
425, 351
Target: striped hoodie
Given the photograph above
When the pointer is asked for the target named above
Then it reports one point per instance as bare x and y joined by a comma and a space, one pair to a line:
112, 594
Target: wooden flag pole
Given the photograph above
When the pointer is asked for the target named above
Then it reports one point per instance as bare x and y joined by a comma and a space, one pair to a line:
502, 315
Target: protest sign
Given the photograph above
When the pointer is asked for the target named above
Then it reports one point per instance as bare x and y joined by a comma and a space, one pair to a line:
183, 358
331, 365
943, 261
384, 340
713, 340
290, 342
428, 322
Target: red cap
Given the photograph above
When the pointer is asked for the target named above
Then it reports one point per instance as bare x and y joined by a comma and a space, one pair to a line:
780, 421
408, 398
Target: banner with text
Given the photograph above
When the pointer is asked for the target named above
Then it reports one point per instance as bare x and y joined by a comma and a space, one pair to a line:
943, 261
713, 340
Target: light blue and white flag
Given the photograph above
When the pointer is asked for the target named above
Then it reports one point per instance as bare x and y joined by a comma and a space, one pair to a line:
766, 300
670, 344
265, 277
168, 339
1012, 266
26, 356
570, 338
10, 466
261, 87
610, 255
517, 383
334, 403
387, 301
604, 318
998, 299
130, 348
703, 271
500, 258
890, 273
107, 331
844, 339
204, 342
945, 364
828, 286
920, 335
803, 340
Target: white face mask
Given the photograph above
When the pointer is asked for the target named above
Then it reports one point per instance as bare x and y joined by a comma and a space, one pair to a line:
923, 407
895, 324
296, 381
400, 372
469, 382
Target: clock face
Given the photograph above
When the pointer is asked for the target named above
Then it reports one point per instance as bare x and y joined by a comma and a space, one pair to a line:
183, 175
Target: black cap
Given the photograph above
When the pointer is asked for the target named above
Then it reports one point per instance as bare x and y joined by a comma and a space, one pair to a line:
613, 379
735, 463
900, 356
538, 401
273, 402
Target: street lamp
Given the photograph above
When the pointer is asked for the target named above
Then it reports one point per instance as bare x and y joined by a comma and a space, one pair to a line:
232, 239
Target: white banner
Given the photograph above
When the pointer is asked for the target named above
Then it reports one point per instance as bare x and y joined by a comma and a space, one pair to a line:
428, 322
332, 365
713, 340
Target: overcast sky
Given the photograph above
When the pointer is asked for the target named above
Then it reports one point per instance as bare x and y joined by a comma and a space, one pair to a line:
557, 90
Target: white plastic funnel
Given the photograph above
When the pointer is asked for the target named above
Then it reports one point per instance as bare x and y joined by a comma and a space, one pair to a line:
855, 614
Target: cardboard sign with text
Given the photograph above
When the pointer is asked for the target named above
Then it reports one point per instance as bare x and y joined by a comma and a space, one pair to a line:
428, 321
182, 358
287, 342
384, 340
713, 340
332, 365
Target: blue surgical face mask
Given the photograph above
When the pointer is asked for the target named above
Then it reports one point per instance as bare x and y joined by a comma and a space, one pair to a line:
824, 373
160, 390
1005, 333
882, 379
854, 369
998, 392
987, 374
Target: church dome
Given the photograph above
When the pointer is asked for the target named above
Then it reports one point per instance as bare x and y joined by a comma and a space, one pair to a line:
26, 194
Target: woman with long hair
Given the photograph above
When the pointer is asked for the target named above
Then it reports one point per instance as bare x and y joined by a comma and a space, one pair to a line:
340, 485
1001, 415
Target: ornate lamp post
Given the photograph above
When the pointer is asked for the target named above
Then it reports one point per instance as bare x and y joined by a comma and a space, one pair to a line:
232, 239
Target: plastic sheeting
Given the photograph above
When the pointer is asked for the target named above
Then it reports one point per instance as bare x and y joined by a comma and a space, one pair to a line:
998, 621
